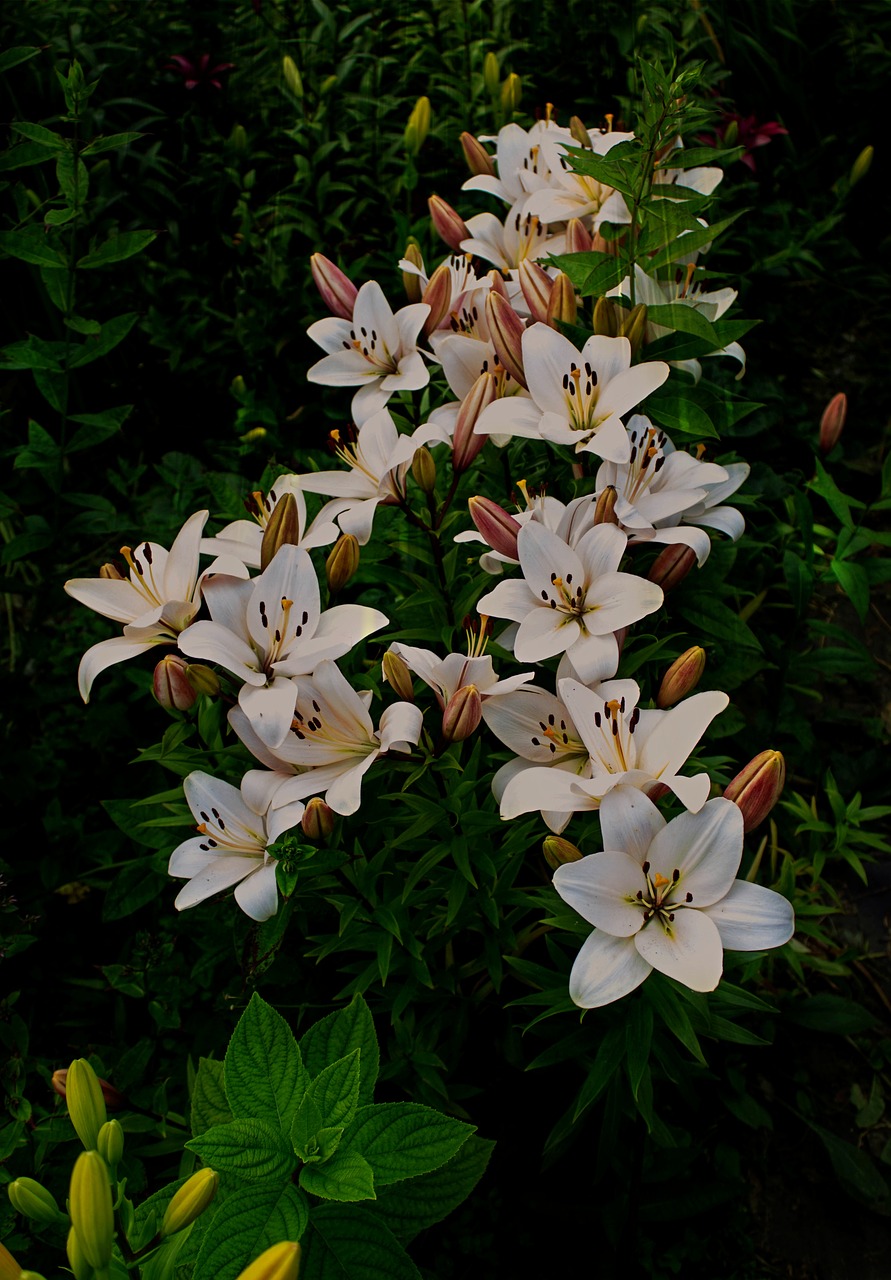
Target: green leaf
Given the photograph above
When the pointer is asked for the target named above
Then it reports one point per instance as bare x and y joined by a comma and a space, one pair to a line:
685, 319
349, 1242
117, 248
265, 1076
855, 584
417, 1203
713, 618
110, 143
17, 54
41, 450
31, 245
691, 241
336, 1035
249, 1221
209, 1107
33, 353
58, 218
800, 579
680, 415
347, 1176
404, 1139
42, 136
610, 1054
839, 503
836, 1015
113, 332
251, 1149
335, 1091
23, 155
855, 1171
131, 888
638, 1038
79, 325
97, 426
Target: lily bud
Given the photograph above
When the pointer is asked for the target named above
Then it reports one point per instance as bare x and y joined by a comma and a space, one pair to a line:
9, 1268
86, 1105
605, 506
410, 281
600, 244
511, 93
496, 283
495, 524
292, 77
466, 443
398, 675
438, 296
238, 140
76, 1257
606, 322
279, 1262
731, 134
418, 126
111, 571
861, 166
681, 678
506, 330
170, 684
447, 222
479, 162
671, 566
318, 820
579, 132
758, 787
578, 237
282, 529
423, 469
190, 1201
558, 852
832, 421
337, 290
634, 327
491, 73
536, 285
32, 1200
203, 680
114, 1099
342, 562
462, 714
89, 1203
110, 1143
562, 306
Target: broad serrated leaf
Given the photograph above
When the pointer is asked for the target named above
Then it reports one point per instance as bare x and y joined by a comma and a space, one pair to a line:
337, 1035
252, 1149
404, 1139
304, 1129
247, 1223
346, 1176
116, 249
265, 1076
335, 1091
412, 1206
209, 1107
349, 1242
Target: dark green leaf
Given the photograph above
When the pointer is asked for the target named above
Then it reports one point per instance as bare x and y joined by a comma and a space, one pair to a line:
249, 1221
208, 1103
113, 332
346, 1176
349, 1242
337, 1035
404, 1139
251, 1149
117, 248
412, 1206
265, 1076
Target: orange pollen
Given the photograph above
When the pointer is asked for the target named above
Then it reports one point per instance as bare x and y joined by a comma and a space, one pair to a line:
659, 882
691, 267
202, 828
700, 451
609, 121
613, 705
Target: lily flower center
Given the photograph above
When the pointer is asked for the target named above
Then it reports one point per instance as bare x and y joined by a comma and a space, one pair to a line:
310, 723
373, 349
615, 749
217, 836
352, 455
142, 574
646, 461
283, 631
661, 898
581, 393
530, 232
557, 737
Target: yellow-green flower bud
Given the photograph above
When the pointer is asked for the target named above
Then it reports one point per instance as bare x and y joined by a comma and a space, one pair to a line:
423, 469
398, 676
279, 1262
89, 1203
190, 1201
606, 322
30, 1275
731, 134
511, 92
318, 820
579, 132
238, 140
861, 166
86, 1105
111, 1143
9, 1268
342, 562
635, 327
758, 787
418, 126
32, 1200
558, 851
462, 714
203, 680
76, 1258
411, 282
681, 678
238, 387
282, 529
327, 85
491, 73
292, 76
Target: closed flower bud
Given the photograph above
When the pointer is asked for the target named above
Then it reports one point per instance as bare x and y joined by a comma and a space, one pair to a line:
411, 282
671, 566
479, 162
9, 1268
562, 306
600, 244
238, 140
318, 820
110, 1143
731, 134
681, 678
579, 132
190, 1201
578, 237
342, 562
337, 290
634, 327
86, 1105
605, 506
511, 93
76, 1258
203, 680
758, 787
418, 126
491, 73
111, 571
33, 1201
496, 283
506, 331
832, 421
558, 851
279, 1262
861, 166
606, 322
462, 714
89, 1203
438, 296
30, 1275
423, 469
448, 223
114, 1099
398, 676
282, 529
466, 443
292, 76
497, 526
537, 286
170, 684
238, 387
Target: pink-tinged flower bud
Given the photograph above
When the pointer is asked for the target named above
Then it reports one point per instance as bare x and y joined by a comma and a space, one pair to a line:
278, 1262
862, 165
758, 787
606, 322
479, 162
410, 281
506, 330
203, 679
423, 469
342, 562
600, 244
190, 1201
497, 526
671, 566
32, 1200
89, 1204
462, 715
398, 675
111, 571
536, 285
511, 93
681, 678
466, 443
562, 306
557, 852
579, 132
438, 296
337, 290
634, 327
832, 421
496, 281
447, 222
491, 73
578, 237
605, 506
86, 1105
282, 529
318, 820
170, 684
113, 1097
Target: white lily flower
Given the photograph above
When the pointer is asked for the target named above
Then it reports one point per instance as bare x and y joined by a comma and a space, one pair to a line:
576, 397
518, 158
158, 600
243, 539
446, 676
578, 195
376, 350
230, 849
270, 629
664, 896
572, 600
506, 244
626, 747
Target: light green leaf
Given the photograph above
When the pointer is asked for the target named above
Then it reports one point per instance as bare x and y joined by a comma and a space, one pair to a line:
249, 1221
335, 1091
349, 1242
42, 136
685, 319
413, 1205
305, 1127
251, 1149
348, 1176
680, 415
854, 583
209, 1107
111, 143
17, 54
337, 1035
31, 246
404, 1139
117, 248
713, 618
265, 1076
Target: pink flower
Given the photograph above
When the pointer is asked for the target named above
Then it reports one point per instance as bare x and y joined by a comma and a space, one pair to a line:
736, 130
198, 72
